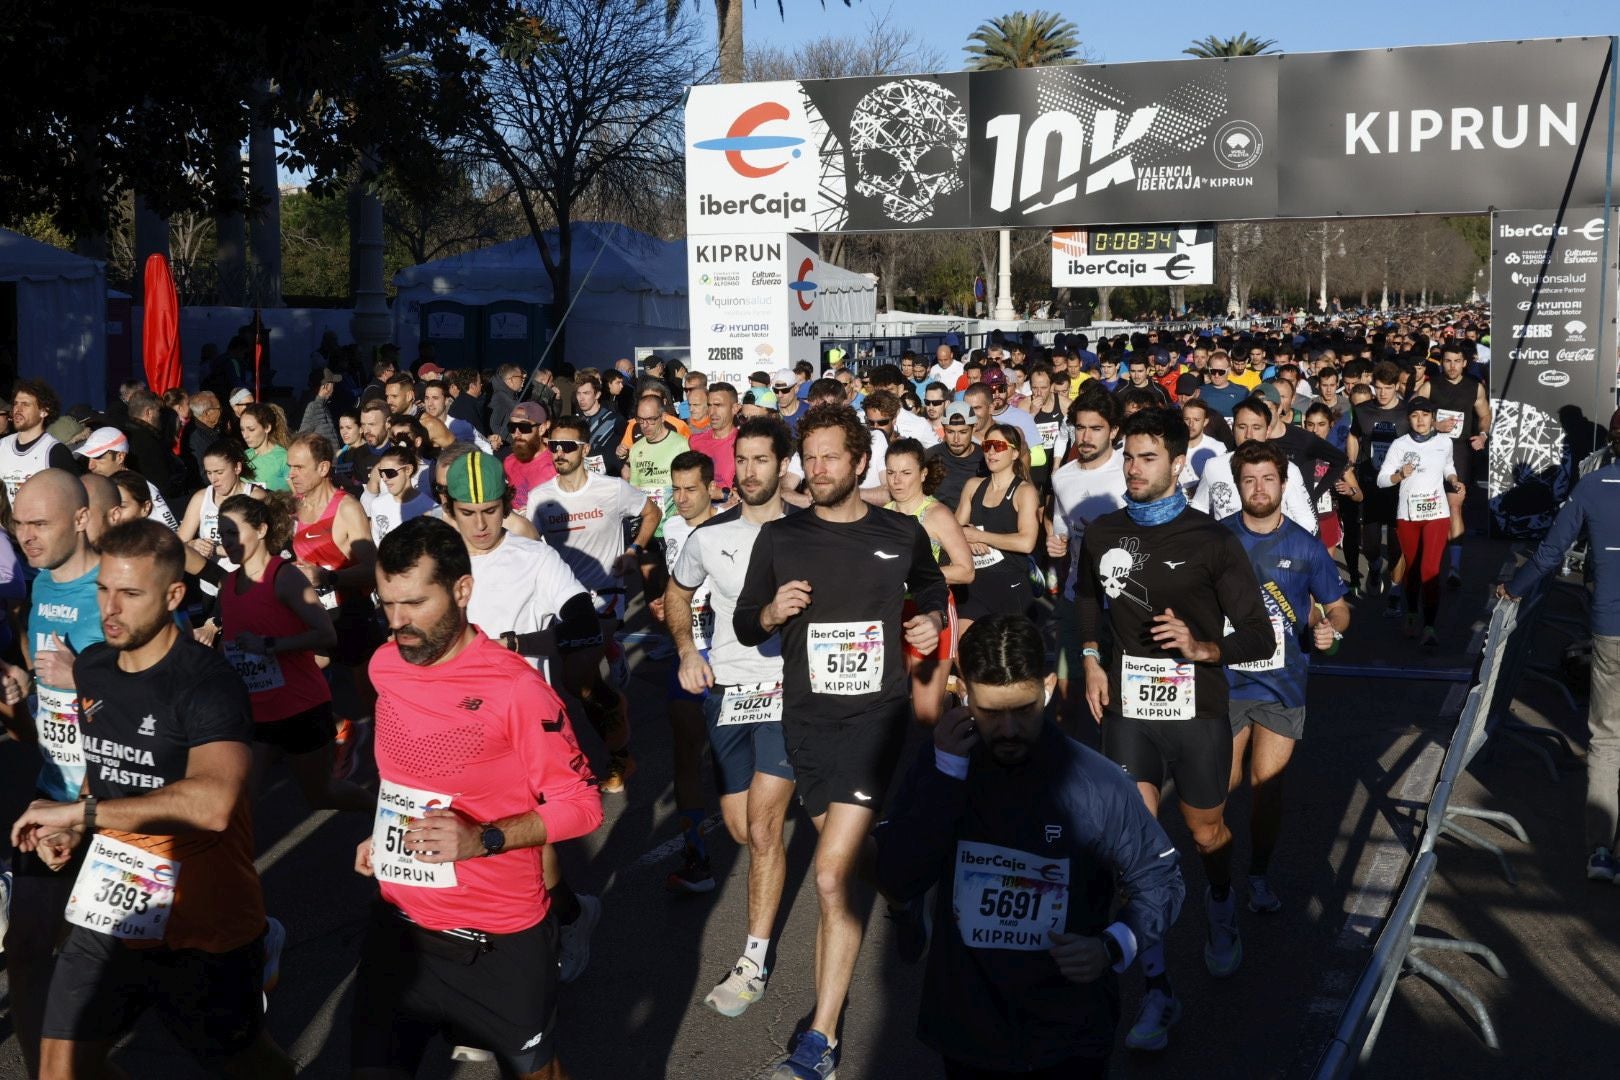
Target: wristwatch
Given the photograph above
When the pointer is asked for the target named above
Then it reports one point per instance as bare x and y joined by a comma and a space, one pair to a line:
1116, 955
89, 813
510, 640
494, 840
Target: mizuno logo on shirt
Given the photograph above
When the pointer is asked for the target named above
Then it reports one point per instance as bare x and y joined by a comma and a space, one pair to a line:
471, 704
885, 555
1173, 565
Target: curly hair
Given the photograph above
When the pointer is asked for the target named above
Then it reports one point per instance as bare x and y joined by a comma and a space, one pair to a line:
857, 440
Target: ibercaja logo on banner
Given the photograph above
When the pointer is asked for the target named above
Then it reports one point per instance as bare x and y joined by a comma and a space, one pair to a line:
751, 159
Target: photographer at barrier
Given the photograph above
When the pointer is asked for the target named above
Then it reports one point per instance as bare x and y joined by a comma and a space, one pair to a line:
1593, 507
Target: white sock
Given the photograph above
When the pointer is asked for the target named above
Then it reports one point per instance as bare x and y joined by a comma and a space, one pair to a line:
756, 949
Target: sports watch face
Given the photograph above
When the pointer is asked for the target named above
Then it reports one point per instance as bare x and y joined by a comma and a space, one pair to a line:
494, 840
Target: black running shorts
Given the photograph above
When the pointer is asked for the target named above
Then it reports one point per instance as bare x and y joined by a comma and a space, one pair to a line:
212, 1003
1197, 753
846, 761
300, 733
499, 994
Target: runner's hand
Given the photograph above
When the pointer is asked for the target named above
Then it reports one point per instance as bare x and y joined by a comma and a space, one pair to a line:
1080, 959
977, 548
362, 859
14, 684
1323, 635
44, 818
206, 632
792, 598
955, 733
695, 675
629, 562
1477, 442
922, 633
656, 606
202, 547
56, 849
1170, 633
1096, 689
54, 666
1057, 546
443, 836
1503, 594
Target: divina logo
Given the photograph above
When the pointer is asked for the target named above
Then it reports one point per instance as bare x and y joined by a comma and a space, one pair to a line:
804, 290
740, 138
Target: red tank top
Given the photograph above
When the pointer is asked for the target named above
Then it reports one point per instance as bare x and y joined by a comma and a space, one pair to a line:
282, 684
313, 543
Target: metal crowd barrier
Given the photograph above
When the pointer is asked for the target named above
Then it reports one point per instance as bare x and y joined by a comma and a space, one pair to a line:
1399, 949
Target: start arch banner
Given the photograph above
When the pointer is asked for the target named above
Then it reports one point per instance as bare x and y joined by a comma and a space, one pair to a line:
1435, 129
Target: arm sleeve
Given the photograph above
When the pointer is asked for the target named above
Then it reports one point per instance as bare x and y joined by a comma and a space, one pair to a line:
924, 580
1239, 593
1297, 504
1142, 855
565, 792
759, 588
1385, 471
1550, 552
914, 843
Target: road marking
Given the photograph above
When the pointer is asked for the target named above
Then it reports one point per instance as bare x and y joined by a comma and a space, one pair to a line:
307, 1047
296, 836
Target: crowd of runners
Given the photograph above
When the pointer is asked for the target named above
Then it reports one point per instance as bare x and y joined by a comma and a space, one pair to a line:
414, 600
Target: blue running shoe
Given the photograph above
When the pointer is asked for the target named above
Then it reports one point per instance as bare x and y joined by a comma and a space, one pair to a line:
812, 1059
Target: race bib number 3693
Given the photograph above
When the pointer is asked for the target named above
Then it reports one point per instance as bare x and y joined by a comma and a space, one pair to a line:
123, 891
1004, 898
1157, 688
398, 808
845, 658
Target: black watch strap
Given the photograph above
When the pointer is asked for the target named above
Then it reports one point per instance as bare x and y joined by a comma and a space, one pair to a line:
1116, 955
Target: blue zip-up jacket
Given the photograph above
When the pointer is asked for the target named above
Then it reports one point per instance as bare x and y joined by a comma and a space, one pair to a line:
1595, 506
999, 845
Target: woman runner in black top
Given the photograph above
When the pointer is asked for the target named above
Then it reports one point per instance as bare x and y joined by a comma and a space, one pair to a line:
1001, 515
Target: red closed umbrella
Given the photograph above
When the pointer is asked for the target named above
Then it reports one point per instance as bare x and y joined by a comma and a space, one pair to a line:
160, 327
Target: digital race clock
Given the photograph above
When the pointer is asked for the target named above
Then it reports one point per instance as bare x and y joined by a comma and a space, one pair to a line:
1132, 241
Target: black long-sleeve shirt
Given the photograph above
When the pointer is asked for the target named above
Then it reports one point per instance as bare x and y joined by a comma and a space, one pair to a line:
1302, 447
1191, 565
860, 573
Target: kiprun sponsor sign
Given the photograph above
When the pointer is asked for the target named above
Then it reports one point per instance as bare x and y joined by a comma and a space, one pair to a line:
752, 304
1451, 128
1552, 351
1134, 255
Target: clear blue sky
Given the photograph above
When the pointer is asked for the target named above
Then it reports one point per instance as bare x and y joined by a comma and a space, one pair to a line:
1160, 29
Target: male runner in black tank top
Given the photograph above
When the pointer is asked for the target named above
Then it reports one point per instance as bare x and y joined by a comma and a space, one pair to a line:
1462, 413
1172, 579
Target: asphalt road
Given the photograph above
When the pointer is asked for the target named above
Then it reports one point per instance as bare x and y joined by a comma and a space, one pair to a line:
1372, 746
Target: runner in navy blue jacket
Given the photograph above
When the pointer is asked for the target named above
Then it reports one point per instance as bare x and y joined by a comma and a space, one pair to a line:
1029, 836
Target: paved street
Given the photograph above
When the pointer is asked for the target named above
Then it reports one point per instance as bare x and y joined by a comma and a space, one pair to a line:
1364, 768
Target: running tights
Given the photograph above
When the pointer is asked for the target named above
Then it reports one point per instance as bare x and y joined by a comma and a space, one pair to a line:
1423, 545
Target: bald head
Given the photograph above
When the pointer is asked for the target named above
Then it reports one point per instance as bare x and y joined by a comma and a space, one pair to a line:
59, 489
51, 514
103, 500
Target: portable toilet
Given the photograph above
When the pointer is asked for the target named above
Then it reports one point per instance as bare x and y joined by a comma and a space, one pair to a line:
452, 329
514, 332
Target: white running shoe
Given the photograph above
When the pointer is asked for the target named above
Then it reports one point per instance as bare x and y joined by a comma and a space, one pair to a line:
575, 948
1158, 1012
740, 989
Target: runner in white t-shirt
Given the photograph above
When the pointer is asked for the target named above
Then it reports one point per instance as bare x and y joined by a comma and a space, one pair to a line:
399, 496
1421, 464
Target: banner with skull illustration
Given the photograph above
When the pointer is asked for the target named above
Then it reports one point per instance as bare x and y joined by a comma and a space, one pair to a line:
1451, 128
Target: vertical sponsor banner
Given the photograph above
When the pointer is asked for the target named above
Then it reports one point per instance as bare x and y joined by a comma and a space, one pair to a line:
737, 304
1552, 356
1134, 255
754, 160
802, 302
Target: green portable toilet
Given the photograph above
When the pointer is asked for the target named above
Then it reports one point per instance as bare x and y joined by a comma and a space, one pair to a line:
453, 330
514, 332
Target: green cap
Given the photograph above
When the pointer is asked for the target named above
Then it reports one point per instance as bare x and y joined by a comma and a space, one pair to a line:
476, 478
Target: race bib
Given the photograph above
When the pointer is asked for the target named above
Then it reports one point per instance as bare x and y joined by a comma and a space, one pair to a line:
1004, 898
58, 721
123, 891
845, 658
1442, 415
398, 807
259, 672
988, 559
1049, 432
596, 465
751, 703
702, 623
1274, 662
1157, 688
1426, 506
328, 598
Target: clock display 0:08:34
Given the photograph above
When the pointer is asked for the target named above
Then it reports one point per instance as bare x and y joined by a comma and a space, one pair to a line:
1146, 241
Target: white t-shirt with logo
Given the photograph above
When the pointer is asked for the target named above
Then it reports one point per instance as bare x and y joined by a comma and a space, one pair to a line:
1423, 494
1218, 494
519, 587
586, 527
716, 554
676, 532
16, 465
1079, 497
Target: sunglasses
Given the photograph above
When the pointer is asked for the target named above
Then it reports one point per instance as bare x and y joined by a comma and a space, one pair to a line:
521, 427
1218, 370
389, 474
563, 446
996, 446
879, 421
935, 403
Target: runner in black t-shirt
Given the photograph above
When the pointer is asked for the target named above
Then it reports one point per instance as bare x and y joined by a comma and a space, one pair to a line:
1374, 427
167, 911
1462, 413
833, 583
1171, 579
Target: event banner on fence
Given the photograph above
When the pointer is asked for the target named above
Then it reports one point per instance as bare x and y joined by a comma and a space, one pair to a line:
1553, 340
752, 304
1437, 129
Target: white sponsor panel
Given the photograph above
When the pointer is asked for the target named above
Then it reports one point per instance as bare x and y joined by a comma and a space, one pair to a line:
751, 160
1134, 255
738, 307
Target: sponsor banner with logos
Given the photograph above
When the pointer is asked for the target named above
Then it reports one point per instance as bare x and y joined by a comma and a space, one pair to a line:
1378, 132
1552, 349
1134, 255
737, 304
803, 308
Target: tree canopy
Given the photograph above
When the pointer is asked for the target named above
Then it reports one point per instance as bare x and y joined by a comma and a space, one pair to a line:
1024, 39
1211, 47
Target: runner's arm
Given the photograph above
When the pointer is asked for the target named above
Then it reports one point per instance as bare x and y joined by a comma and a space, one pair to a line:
678, 616
924, 580
1126, 835
758, 590
1550, 552
568, 804
362, 552
296, 593
941, 524
914, 841
651, 515
1238, 591
201, 801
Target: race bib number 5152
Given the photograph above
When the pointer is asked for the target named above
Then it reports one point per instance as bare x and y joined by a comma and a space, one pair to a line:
845, 658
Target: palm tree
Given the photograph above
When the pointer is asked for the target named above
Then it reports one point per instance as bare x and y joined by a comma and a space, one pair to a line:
728, 16
1243, 45
1022, 40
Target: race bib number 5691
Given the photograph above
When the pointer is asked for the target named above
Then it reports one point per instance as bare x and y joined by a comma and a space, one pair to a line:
1004, 898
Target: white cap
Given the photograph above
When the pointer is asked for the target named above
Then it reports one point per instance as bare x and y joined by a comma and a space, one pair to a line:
102, 440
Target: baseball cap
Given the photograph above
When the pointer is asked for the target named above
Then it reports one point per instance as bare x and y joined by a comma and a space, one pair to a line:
65, 430
1419, 403
994, 376
476, 478
1269, 392
782, 379
958, 412
1188, 384
529, 410
103, 440
430, 370
241, 396
760, 396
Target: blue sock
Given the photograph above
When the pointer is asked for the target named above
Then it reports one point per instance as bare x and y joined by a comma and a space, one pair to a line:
1456, 556
694, 829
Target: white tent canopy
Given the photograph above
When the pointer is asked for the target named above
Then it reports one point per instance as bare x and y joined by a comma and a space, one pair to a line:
61, 301
631, 290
